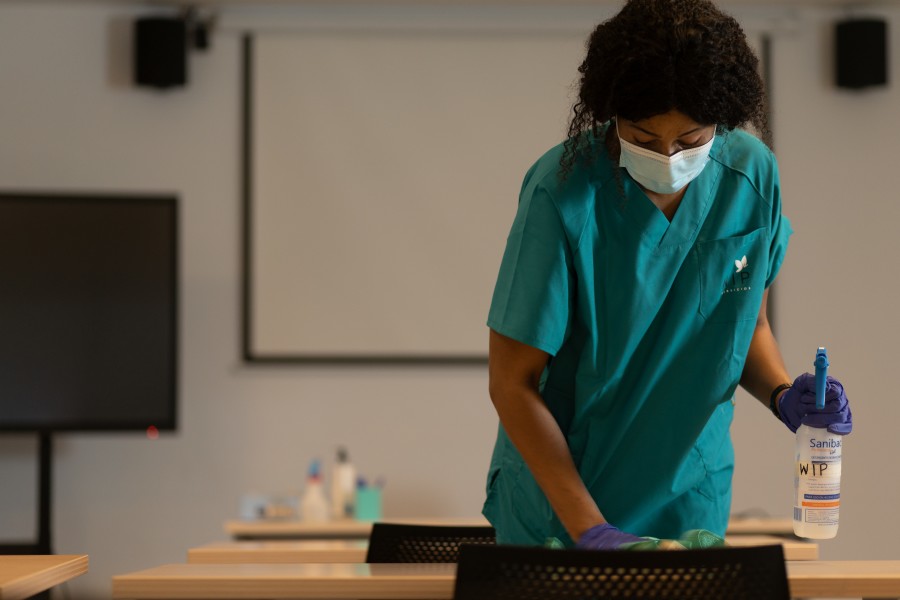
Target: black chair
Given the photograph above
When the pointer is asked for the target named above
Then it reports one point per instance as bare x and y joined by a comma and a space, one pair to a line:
402, 543
525, 573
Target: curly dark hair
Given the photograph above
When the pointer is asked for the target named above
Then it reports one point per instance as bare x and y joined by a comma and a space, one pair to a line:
658, 55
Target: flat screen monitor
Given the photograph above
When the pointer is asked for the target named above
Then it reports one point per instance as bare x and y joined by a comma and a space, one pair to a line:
88, 312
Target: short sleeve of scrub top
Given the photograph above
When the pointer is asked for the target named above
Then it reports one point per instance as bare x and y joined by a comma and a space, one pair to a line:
531, 302
781, 232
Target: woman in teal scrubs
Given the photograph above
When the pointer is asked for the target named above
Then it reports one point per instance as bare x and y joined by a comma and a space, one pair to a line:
631, 299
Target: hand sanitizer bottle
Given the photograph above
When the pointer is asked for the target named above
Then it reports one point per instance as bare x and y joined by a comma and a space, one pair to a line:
817, 476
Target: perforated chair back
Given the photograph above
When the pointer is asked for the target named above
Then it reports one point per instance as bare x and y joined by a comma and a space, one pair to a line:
526, 573
401, 543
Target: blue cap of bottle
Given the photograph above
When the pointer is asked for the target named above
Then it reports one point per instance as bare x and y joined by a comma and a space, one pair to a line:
821, 364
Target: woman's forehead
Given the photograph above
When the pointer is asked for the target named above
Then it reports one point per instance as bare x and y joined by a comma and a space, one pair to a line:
673, 121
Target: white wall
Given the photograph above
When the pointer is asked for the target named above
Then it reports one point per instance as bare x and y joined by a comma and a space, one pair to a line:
70, 120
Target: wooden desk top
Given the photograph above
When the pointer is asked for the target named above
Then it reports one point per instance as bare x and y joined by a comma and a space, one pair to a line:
280, 551
794, 549
844, 578
352, 529
338, 529
354, 551
288, 581
761, 526
22, 576
834, 579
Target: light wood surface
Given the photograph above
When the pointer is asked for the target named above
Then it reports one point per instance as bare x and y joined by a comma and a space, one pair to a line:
794, 549
22, 576
833, 579
280, 551
354, 551
844, 578
760, 526
352, 529
229, 582
337, 529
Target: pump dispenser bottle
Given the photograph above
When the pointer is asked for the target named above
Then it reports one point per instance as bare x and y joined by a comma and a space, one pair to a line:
817, 471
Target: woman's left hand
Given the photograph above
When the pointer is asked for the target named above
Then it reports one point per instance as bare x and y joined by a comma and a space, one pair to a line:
797, 406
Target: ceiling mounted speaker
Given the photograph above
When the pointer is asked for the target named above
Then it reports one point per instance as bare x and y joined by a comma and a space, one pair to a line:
861, 53
160, 52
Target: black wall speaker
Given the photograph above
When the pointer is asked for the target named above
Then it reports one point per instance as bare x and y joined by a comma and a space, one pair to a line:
160, 52
861, 53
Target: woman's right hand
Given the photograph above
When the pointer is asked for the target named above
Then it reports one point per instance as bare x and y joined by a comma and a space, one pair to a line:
605, 537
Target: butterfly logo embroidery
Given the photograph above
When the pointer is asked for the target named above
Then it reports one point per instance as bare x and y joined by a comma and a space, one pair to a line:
741, 264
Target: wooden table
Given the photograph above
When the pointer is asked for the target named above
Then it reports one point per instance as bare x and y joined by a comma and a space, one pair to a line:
354, 551
268, 529
22, 576
341, 529
833, 579
760, 526
280, 551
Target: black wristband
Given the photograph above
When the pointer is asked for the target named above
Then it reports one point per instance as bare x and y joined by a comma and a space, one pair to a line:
774, 396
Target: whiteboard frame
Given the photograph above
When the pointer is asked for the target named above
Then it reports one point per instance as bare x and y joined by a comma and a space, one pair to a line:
251, 354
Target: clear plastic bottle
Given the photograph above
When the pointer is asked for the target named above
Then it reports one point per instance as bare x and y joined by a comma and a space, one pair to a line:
313, 505
817, 475
817, 483
343, 487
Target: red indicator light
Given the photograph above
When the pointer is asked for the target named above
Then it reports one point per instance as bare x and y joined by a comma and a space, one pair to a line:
152, 433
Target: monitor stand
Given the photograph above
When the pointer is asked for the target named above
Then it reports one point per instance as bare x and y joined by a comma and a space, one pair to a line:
45, 475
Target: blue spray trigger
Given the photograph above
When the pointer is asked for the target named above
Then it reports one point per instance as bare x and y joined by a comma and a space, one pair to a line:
821, 364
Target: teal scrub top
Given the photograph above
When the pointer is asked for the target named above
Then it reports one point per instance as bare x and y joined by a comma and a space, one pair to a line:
648, 323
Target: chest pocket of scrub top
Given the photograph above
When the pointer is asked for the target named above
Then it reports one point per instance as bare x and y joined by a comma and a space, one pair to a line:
732, 276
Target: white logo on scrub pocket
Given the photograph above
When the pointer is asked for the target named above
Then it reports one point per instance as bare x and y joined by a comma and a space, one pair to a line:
740, 279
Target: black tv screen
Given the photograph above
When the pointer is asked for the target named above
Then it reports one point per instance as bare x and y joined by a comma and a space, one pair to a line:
88, 312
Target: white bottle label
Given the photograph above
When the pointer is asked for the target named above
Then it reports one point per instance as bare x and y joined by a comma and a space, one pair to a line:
817, 480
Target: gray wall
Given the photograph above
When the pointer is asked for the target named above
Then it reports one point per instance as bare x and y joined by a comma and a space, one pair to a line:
70, 120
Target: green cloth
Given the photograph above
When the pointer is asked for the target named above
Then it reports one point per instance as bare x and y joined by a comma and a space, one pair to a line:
648, 324
692, 539
689, 540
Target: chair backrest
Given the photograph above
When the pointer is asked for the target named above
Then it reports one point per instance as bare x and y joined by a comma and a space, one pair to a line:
524, 573
402, 543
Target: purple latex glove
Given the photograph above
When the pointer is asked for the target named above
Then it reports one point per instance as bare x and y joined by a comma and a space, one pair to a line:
604, 537
797, 406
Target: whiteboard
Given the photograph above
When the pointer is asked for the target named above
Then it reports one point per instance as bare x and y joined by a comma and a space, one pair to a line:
382, 177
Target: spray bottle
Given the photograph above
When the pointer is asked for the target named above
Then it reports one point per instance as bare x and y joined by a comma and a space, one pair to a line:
817, 476
313, 504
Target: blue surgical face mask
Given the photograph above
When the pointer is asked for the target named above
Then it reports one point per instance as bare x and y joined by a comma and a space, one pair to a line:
660, 173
